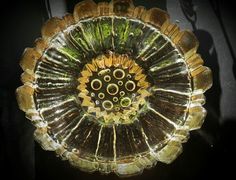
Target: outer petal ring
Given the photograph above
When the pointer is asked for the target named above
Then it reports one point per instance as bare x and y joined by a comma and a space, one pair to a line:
185, 43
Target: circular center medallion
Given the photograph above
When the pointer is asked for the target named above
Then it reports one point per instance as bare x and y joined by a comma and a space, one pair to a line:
113, 87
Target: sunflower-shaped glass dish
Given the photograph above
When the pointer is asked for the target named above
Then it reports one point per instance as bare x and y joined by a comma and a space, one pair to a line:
114, 87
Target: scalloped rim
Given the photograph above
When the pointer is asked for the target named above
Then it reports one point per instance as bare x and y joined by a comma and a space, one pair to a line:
185, 41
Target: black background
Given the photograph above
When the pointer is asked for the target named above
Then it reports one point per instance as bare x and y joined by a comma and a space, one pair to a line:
208, 153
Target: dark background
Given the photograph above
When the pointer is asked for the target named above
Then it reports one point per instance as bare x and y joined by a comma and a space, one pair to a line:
210, 150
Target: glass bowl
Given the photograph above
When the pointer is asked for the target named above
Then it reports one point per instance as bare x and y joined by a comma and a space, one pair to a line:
114, 87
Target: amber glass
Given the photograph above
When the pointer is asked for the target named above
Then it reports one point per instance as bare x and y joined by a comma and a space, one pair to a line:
114, 87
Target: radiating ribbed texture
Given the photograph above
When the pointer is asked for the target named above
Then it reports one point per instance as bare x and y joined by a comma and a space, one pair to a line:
113, 126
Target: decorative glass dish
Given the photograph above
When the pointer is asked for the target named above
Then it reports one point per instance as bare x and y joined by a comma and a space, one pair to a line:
114, 87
